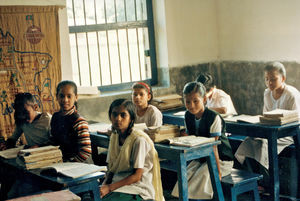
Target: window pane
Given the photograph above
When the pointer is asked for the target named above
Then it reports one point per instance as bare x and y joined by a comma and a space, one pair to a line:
94, 59
90, 12
114, 57
110, 11
147, 59
83, 60
79, 14
124, 56
133, 50
100, 12
74, 58
144, 9
139, 14
70, 13
130, 10
142, 52
120, 10
104, 58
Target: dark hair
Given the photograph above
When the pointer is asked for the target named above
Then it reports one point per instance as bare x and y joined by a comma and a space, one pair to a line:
194, 87
276, 66
143, 85
207, 80
21, 115
128, 105
64, 83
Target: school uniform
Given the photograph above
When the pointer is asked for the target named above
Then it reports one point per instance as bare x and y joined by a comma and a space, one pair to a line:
257, 148
199, 182
152, 116
219, 99
37, 132
137, 152
70, 131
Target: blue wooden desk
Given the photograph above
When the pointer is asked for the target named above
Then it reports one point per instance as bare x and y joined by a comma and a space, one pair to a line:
271, 133
77, 185
180, 156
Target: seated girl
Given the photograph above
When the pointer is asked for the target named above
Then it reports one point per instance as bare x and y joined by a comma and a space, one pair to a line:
145, 112
201, 121
278, 95
217, 99
133, 165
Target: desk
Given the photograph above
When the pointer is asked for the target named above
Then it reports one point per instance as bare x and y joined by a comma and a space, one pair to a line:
77, 185
179, 155
271, 133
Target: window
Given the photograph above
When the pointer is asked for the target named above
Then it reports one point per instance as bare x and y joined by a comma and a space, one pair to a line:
112, 42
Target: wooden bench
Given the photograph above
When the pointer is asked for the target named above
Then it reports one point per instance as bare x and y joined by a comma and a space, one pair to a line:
241, 181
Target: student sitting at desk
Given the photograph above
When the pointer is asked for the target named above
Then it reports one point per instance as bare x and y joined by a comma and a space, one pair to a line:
36, 128
133, 165
35, 125
216, 99
68, 129
145, 112
201, 121
278, 95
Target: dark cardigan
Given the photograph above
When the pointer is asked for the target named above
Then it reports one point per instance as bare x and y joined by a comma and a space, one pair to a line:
208, 117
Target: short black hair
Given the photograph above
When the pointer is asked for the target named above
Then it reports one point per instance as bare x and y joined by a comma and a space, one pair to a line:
64, 83
194, 87
207, 80
21, 115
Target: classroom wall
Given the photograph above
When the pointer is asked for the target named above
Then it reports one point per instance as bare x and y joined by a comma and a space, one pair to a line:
248, 34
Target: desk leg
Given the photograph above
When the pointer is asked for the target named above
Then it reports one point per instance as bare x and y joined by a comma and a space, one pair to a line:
95, 189
273, 166
297, 145
182, 178
214, 176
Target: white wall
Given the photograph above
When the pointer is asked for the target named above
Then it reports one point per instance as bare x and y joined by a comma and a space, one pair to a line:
200, 31
63, 29
192, 35
259, 30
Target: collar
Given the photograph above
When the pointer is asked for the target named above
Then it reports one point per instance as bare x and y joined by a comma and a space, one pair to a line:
69, 112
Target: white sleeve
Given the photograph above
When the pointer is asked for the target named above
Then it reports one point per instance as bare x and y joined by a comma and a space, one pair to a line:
139, 152
216, 127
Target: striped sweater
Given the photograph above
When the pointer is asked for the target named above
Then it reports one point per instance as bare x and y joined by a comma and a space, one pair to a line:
70, 131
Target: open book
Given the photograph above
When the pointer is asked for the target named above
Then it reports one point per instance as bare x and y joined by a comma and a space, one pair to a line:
190, 141
244, 118
72, 169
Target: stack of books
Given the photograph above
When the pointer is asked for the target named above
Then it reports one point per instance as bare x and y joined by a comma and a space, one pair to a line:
162, 133
40, 157
168, 102
279, 117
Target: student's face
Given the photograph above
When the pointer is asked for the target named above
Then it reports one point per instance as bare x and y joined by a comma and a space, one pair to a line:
194, 103
120, 119
273, 79
31, 112
140, 97
66, 97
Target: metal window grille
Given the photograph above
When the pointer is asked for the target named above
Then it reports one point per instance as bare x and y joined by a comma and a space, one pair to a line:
112, 42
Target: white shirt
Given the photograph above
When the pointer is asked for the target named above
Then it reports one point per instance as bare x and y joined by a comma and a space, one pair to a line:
152, 117
141, 157
221, 99
289, 100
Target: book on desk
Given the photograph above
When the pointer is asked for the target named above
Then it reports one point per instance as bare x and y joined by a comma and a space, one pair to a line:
72, 169
189, 141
